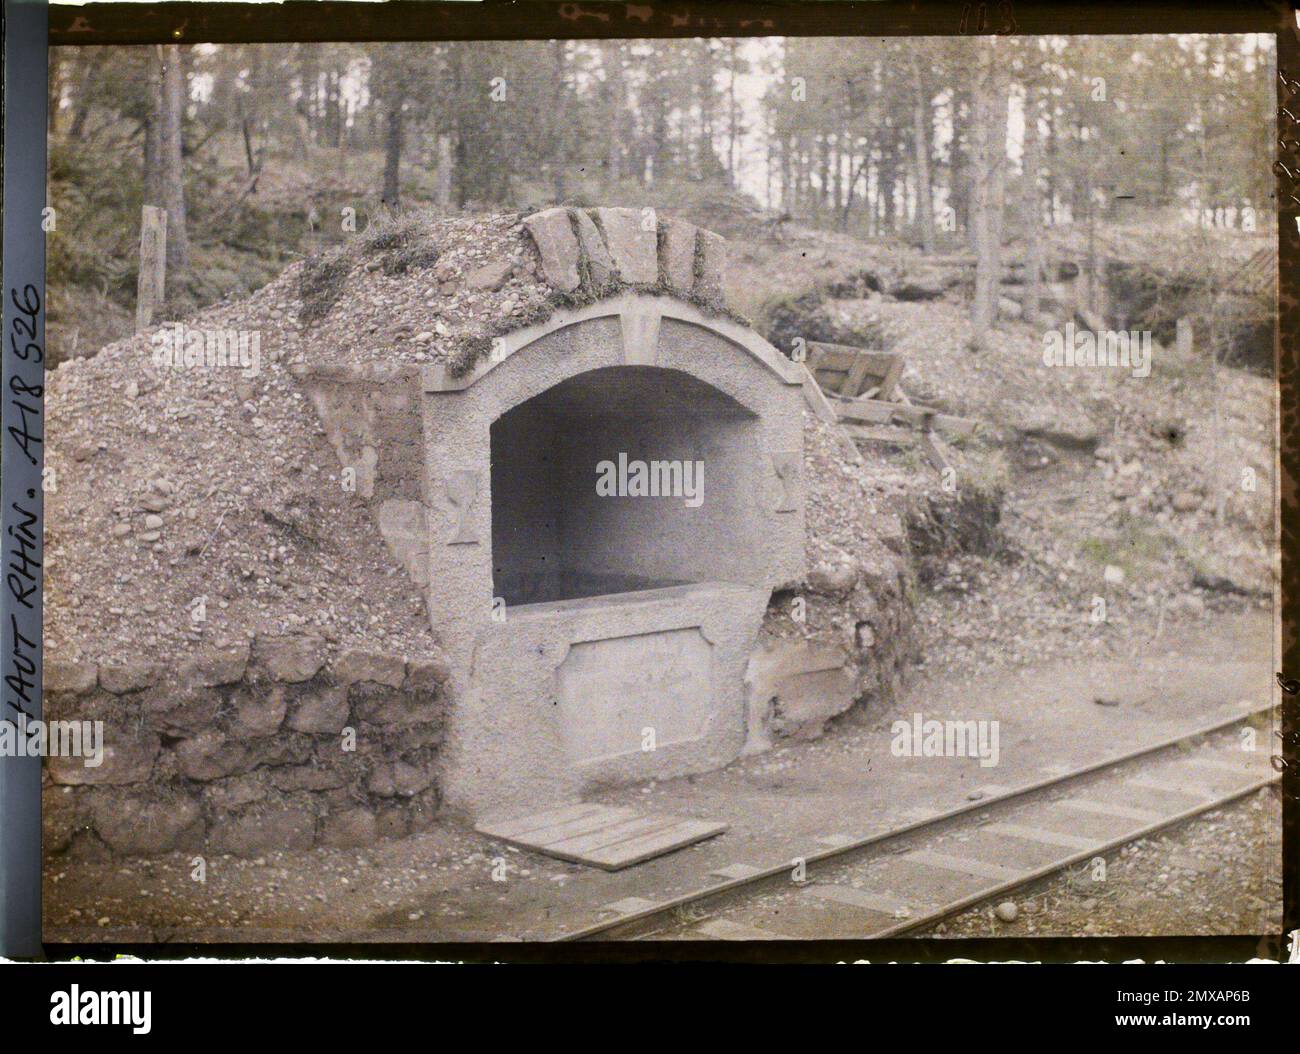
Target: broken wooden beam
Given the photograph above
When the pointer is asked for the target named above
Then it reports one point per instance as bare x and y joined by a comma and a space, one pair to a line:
820, 405
878, 411
933, 451
886, 434
845, 370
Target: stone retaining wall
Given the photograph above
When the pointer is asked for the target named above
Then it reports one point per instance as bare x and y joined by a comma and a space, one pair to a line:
246, 749
844, 635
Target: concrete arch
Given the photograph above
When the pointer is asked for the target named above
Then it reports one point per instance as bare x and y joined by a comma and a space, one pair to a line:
572, 619
640, 316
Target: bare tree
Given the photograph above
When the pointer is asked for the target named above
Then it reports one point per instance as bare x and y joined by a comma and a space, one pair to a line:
394, 136
988, 176
152, 183
171, 165
1031, 197
921, 146
614, 91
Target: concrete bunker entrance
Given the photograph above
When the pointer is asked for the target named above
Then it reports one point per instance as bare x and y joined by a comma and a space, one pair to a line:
621, 479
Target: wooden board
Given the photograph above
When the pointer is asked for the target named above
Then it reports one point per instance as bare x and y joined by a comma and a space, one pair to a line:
151, 281
878, 411
844, 370
600, 835
885, 434
820, 406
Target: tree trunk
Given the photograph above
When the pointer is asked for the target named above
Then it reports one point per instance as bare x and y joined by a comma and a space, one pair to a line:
84, 94
889, 186
616, 115
444, 173
333, 109
172, 170
1033, 209
1163, 196
733, 117
309, 64
54, 88
851, 194
988, 172
152, 175
960, 180
1051, 162
921, 145
559, 127
393, 135
659, 126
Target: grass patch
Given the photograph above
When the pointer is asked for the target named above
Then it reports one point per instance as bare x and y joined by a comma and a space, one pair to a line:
1136, 547
402, 242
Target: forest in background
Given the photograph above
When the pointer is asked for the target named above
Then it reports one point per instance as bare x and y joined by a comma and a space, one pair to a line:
257, 152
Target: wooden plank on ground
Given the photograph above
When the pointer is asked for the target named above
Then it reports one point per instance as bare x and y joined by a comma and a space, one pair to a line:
884, 434
879, 411
933, 451
521, 825
593, 841
823, 356
600, 835
815, 397
666, 840
857, 375
867, 411
583, 825
860, 366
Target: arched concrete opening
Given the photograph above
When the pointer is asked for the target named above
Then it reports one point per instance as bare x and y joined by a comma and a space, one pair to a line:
597, 636
620, 479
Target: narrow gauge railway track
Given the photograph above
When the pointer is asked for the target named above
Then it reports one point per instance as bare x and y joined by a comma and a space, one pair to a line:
891, 882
